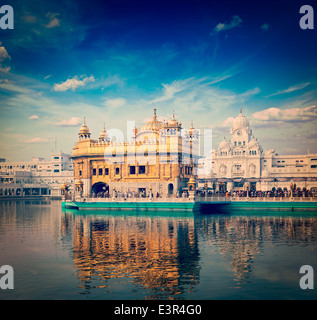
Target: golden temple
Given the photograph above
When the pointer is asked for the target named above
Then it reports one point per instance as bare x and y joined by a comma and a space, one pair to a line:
159, 160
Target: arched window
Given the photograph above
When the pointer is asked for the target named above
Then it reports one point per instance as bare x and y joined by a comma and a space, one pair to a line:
252, 169
223, 170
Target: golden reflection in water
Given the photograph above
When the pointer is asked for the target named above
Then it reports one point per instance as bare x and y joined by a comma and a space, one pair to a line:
160, 254
163, 255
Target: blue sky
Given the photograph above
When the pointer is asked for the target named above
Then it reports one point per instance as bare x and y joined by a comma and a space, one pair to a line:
112, 61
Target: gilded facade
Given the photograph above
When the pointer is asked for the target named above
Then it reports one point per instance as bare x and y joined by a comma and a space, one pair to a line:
158, 160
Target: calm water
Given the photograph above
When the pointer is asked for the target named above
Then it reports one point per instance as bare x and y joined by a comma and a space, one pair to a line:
106, 255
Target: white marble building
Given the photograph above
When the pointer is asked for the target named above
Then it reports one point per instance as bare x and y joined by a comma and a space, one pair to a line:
36, 177
240, 163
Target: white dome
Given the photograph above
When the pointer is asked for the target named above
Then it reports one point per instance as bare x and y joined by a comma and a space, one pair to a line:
240, 122
253, 143
224, 144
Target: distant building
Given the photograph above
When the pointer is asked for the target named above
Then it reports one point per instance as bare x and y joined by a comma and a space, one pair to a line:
36, 177
240, 164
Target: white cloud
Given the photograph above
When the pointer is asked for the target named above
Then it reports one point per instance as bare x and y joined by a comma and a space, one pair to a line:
169, 90
267, 114
5, 69
3, 53
187, 85
110, 81
37, 140
11, 86
73, 84
4, 57
290, 89
287, 115
54, 22
227, 122
250, 92
235, 22
115, 103
29, 18
34, 117
72, 122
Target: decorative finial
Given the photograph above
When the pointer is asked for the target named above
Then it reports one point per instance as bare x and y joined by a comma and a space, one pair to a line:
173, 115
154, 113
241, 110
84, 120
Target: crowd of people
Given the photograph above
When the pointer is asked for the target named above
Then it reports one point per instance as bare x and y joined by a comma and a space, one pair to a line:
126, 194
139, 194
258, 193
201, 193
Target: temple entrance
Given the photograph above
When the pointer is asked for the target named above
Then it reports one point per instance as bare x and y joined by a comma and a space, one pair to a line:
100, 189
222, 187
238, 185
253, 186
170, 188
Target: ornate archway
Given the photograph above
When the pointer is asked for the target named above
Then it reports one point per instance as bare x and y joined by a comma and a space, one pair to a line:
170, 188
100, 187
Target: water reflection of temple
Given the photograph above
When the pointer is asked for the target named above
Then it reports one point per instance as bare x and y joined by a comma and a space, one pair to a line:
158, 253
164, 255
240, 239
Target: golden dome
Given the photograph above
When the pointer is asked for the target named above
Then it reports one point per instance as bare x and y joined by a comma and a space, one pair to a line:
103, 133
84, 128
173, 123
191, 129
153, 125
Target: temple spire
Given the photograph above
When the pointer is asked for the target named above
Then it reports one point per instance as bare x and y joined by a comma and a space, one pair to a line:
154, 113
